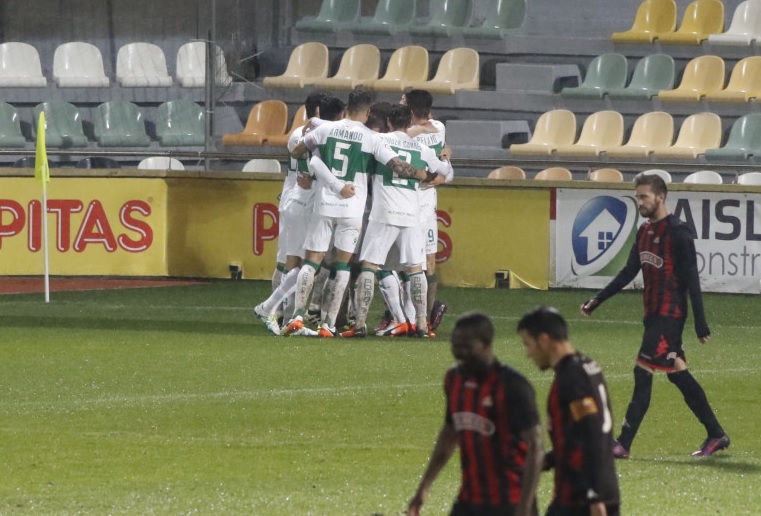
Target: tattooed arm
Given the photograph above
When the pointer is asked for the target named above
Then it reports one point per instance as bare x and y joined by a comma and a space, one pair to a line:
405, 170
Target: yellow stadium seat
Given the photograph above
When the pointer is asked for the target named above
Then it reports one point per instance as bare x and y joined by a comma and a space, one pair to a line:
650, 131
269, 117
702, 75
744, 83
606, 175
601, 131
554, 128
701, 19
699, 132
406, 65
308, 62
554, 174
507, 172
459, 69
281, 140
359, 64
653, 18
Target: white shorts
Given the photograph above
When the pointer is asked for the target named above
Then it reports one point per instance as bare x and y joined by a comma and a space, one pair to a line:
380, 237
342, 232
430, 232
294, 234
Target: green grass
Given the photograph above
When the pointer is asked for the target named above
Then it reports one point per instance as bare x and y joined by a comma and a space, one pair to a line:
176, 401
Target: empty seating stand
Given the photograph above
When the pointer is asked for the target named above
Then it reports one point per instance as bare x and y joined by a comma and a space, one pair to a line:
702, 75
269, 117
180, 123
701, 19
605, 72
507, 172
651, 131
359, 64
503, 17
120, 124
744, 83
20, 66
554, 129
333, 15
308, 62
299, 119
191, 66
142, 65
704, 177
744, 140
745, 27
406, 65
160, 163
447, 19
536, 78
601, 131
698, 132
10, 127
458, 69
653, 18
79, 65
63, 124
652, 74
390, 16
485, 139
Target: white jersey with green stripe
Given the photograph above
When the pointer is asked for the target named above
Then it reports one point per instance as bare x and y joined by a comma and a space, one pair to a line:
346, 147
295, 195
436, 141
396, 200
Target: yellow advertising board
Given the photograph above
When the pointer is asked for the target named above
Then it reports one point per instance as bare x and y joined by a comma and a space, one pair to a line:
96, 226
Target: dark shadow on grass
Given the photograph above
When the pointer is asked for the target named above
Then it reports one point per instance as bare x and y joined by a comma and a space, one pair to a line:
722, 461
94, 323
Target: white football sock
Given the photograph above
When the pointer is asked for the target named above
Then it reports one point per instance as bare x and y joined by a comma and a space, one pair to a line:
391, 292
365, 288
282, 292
336, 296
419, 291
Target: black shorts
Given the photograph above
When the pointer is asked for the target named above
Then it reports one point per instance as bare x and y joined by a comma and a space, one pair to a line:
559, 510
470, 509
661, 343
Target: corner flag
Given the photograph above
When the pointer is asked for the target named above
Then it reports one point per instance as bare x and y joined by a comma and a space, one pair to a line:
41, 168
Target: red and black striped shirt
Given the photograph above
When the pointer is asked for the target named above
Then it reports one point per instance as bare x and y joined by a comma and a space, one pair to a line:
489, 414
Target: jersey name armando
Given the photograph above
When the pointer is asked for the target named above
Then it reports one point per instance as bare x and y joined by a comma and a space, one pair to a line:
651, 258
346, 134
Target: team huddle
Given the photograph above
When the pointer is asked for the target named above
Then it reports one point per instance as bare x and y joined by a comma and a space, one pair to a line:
331, 214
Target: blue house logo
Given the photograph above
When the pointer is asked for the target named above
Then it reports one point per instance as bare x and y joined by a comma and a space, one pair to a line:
600, 233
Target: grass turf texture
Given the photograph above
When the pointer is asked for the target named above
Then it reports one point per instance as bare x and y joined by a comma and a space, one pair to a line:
177, 401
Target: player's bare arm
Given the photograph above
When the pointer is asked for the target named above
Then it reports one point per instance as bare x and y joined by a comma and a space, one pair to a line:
300, 150
532, 471
405, 170
445, 446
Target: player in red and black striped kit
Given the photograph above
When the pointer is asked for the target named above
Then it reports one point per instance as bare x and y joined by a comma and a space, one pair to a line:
665, 252
579, 419
491, 415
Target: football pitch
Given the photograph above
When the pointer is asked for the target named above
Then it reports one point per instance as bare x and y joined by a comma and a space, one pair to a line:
176, 401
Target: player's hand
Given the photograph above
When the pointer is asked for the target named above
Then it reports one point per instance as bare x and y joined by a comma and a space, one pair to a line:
446, 153
588, 307
304, 181
348, 191
598, 509
413, 508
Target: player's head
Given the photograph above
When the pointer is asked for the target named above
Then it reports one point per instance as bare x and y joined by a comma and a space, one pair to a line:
651, 192
358, 106
420, 102
471, 342
377, 120
312, 103
331, 108
399, 117
541, 329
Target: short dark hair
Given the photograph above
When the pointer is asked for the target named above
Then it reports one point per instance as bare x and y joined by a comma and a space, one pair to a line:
378, 117
312, 102
656, 183
420, 102
331, 108
476, 325
400, 117
544, 319
359, 100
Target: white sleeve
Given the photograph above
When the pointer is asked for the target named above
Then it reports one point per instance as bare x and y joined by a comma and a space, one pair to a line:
320, 170
436, 165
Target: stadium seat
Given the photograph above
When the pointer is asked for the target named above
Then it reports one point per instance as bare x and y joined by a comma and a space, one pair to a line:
79, 65
63, 124
390, 16
652, 74
333, 15
98, 162
308, 62
25, 162
120, 124
701, 19
447, 17
502, 18
702, 75
262, 165
554, 174
605, 72
281, 140
359, 64
651, 131
268, 117
601, 132
507, 172
20, 66
458, 69
142, 65
606, 175
160, 163
191, 66
704, 177
553, 129
744, 82
406, 65
745, 27
10, 127
749, 178
653, 18
743, 142
698, 132
179, 123
659, 172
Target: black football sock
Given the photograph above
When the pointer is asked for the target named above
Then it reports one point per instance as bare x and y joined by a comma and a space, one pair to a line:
433, 283
696, 399
643, 388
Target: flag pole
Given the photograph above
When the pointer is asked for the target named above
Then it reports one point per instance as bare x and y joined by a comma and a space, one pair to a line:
45, 239
42, 173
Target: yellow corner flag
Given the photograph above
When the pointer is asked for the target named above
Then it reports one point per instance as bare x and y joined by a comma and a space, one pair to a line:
41, 169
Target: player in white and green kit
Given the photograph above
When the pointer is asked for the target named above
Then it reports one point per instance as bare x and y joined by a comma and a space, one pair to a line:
394, 220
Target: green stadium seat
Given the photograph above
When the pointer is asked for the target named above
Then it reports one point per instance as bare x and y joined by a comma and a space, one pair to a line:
180, 123
605, 72
502, 18
390, 16
10, 127
333, 15
653, 73
63, 124
744, 140
447, 17
120, 124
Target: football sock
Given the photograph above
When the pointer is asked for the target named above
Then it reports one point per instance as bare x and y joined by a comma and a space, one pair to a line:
419, 292
365, 288
407, 304
696, 399
391, 292
319, 288
287, 286
277, 276
433, 287
337, 294
304, 285
643, 388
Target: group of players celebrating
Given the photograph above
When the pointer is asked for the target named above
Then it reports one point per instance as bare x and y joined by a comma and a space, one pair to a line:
361, 183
